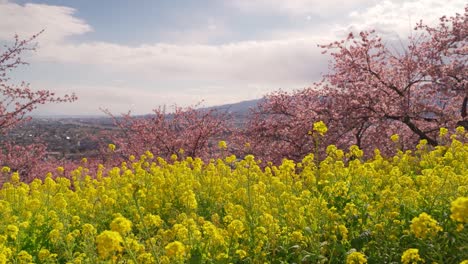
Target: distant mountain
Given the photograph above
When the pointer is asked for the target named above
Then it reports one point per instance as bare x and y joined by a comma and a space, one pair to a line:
238, 111
240, 108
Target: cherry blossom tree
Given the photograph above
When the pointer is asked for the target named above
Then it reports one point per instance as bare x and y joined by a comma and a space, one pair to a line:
373, 90
445, 52
418, 88
16, 102
184, 132
280, 124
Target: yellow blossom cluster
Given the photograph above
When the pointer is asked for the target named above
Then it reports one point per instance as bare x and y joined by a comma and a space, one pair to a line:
424, 226
411, 256
320, 127
356, 258
410, 208
460, 210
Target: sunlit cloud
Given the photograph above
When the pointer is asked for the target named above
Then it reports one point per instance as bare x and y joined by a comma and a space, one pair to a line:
297, 7
398, 18
26, 20
191, 65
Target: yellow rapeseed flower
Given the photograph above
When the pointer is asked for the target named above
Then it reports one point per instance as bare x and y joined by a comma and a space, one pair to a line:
151, 220
24, 257
411, 256
43, 254
232, 210
395, 138
54, 235
320, 127
146, 258
459, 209
5, 253
15, 177
443, 131
343, 232
121, 225
355, 151
89, 230
60, 170
222, 144
175, 249
3, 258
236, 228
12, 231
108, 243
189, 199
75, 220
356, 258
111, 147
460, 130
424, 226
241, 253
297, 236
149, 154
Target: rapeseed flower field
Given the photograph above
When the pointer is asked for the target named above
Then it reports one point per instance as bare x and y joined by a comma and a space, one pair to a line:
410, 208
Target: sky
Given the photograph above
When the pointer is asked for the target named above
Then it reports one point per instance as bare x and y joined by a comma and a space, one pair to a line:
139, 55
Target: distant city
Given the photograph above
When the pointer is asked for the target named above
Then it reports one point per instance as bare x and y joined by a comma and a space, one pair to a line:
74, 137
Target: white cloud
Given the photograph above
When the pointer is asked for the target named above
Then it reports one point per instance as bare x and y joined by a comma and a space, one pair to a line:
394, 19
297, 7
398, 18
92, 98
142, 100
209, 31
58, 22
270, 61
274, 62
182, 73
186, 72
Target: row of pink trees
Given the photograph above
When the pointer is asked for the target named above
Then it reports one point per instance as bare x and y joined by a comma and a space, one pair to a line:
371, 92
